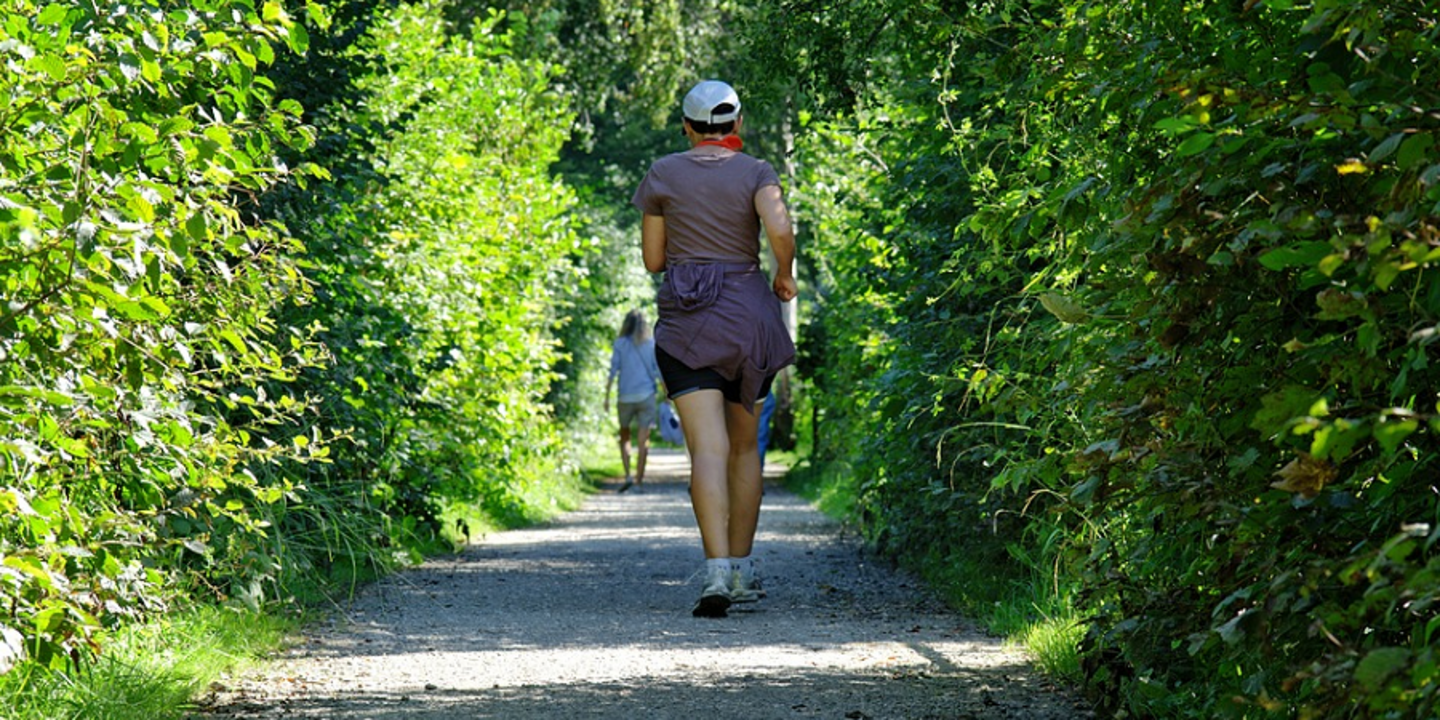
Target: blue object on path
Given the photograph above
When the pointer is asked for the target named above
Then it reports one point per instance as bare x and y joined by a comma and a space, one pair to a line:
762, 436
670, 425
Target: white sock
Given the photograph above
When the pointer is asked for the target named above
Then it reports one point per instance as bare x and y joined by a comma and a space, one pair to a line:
720, 564
744, 565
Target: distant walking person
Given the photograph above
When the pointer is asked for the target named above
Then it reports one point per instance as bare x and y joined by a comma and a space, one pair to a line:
632, 362
720, 339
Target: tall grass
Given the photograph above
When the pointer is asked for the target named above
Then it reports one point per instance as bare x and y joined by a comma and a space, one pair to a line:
829, 487
152, 671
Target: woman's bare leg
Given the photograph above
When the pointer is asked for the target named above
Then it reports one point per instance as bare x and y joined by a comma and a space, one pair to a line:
625, 449
703, 418
745, 478
641, 453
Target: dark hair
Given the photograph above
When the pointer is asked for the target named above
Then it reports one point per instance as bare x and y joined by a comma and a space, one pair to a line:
705, 128
634, 327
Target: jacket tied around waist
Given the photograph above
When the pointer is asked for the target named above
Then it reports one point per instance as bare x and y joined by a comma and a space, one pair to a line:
724, 316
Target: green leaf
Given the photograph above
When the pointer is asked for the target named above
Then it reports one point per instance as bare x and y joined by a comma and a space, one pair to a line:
157, 305
48, 64
1367, 337
220, 135
318, 15
144, 209
1063, 308
1302, 254
30, 566
1196, 143
1386, 147
1330, 263
50, 620
140, 131
134, 310
171, 126
297, 38
1280, 407
1415, 150
235, 340
1391, 433
1235, 629
198, 226
1385, 273
263, 52
1176, 125
1379, 665
53, 14
1335, 441
13, 394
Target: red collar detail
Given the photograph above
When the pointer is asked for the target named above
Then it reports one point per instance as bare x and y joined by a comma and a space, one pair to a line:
729, 142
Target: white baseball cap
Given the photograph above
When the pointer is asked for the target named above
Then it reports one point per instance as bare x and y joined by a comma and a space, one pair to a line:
703, 99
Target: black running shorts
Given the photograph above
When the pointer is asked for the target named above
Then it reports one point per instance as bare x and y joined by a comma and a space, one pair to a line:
681, 379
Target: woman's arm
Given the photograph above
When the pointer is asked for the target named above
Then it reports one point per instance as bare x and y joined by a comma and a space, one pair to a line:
610, 378
770, 204
652, 242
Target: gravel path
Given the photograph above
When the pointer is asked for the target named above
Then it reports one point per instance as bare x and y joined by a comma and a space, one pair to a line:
590, 617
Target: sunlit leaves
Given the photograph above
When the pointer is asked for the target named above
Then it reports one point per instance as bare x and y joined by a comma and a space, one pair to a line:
1301, 254
439, 252
1063, 308
117, 123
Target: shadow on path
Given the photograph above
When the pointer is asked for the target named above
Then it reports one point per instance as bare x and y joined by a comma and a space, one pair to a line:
589, 617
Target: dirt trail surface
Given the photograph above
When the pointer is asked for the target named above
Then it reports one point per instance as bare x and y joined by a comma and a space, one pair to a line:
589, 617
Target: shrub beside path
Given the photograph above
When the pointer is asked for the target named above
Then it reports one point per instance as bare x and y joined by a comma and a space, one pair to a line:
589, 617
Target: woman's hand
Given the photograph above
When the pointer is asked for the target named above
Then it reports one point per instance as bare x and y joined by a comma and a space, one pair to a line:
785, 288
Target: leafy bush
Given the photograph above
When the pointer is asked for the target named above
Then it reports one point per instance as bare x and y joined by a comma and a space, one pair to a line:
1147, 292
213, 379
137, 331
438, 255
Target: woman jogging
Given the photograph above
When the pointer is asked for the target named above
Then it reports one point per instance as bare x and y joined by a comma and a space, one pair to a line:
720, 338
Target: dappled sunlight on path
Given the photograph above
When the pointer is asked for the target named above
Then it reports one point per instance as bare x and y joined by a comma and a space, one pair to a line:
589, 617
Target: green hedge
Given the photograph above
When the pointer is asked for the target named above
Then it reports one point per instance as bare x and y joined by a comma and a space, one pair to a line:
137, 327
1148, 293
438, 258
278, 314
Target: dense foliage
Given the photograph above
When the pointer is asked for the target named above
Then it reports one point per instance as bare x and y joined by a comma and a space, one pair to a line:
437, 257
137, 328
1144, 293
273, 313
1137, 298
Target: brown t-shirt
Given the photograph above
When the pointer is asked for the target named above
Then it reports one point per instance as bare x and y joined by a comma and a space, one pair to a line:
717, 310
708, 202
